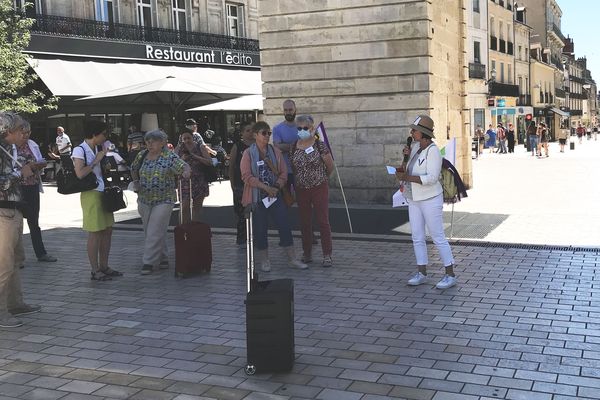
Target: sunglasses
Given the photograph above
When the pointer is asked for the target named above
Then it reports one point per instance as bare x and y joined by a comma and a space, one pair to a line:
302, 128
265, 133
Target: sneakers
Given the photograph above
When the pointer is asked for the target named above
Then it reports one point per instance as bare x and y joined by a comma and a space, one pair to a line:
446, 282
298, 264
10, 322
146, 269
327, 262
47, 258
306, 259
25, 309
417, 279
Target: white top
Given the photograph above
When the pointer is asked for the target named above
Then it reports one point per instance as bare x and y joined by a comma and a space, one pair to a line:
62, 141
428, 166
90, 155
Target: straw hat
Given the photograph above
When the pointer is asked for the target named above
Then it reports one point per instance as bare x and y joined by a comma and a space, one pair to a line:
423, 124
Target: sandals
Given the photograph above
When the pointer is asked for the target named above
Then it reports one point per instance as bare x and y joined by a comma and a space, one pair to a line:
100, 276
111, 272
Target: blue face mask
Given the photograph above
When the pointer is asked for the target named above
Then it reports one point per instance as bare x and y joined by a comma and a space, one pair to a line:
303, 134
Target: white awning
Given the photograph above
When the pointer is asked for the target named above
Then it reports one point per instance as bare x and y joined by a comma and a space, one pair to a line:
250, 102
86, 78
560, 112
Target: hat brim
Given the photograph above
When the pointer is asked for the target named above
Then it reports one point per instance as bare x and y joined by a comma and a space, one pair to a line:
423, 130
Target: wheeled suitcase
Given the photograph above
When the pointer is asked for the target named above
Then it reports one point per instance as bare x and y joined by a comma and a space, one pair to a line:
269, 318
193, 246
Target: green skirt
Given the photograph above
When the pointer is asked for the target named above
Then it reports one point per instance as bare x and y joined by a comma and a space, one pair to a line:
95, 219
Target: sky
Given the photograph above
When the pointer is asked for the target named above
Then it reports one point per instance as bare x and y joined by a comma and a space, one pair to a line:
580, 22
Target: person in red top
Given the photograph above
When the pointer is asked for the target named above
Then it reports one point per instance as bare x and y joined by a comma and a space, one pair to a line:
580, 132
501, 135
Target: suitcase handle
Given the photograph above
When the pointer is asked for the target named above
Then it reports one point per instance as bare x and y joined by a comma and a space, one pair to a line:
249, 249
181, 201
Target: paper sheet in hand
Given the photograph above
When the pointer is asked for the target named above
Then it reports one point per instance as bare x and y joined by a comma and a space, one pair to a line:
391, 170
398, 200
267, 201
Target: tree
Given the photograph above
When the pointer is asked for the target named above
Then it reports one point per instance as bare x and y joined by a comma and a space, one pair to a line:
19, 86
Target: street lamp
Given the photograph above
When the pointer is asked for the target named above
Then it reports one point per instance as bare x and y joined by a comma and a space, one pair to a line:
492, 77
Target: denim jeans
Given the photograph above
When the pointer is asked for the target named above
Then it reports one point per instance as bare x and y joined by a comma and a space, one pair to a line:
260, 224
533, 142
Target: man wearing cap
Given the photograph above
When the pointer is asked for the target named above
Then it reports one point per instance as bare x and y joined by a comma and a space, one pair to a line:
424, 193
192, 125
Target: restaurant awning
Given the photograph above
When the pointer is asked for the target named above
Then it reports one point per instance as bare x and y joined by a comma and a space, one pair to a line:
86, 78
250, 102
560, 112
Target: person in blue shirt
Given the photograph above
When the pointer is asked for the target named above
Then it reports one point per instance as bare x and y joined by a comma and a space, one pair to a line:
490, 138
285, 134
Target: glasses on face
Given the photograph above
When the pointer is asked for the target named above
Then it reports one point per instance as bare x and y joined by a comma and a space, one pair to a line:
265, 133
303, 128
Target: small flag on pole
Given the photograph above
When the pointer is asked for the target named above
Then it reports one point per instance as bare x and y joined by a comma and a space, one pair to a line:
323, 135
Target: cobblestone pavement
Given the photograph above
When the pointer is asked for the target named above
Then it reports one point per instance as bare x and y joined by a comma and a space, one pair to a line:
521, 324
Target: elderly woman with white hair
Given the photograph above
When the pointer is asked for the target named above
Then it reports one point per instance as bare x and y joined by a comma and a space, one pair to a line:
155, 172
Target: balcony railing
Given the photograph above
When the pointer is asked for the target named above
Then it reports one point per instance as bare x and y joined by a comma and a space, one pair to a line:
493, 42
560, 93
577, 79
476, 71
65, 26
558, 33
503, 89
510, 48
575, 112
524, 100
502, 46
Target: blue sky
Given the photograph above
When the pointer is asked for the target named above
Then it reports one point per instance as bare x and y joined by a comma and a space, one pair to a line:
580, 21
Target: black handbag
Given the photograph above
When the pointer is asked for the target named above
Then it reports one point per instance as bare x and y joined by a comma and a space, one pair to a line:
210, 173
113, 199
68, 182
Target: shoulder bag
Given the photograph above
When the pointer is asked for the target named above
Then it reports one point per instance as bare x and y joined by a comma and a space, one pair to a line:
68, 182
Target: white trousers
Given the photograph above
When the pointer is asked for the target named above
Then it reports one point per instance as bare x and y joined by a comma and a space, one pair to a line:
429, 213
155, 220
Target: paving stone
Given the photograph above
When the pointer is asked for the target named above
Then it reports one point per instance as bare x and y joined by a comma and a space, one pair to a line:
83, 387
42, 394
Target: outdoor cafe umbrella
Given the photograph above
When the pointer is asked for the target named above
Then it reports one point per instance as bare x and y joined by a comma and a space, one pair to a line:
169, 91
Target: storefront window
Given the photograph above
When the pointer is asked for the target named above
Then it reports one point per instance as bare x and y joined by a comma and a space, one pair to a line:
235, 20
179, 19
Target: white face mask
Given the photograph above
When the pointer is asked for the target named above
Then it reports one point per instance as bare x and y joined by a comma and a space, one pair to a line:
303, 134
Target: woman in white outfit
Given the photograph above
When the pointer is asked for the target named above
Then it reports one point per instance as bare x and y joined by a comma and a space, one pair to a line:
425, 200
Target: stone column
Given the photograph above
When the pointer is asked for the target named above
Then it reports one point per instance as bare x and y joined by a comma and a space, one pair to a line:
366, 71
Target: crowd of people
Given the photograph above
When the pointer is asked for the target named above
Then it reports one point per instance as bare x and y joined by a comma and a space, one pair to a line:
266, 177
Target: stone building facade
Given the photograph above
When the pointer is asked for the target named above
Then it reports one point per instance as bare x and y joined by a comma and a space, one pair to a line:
367, 70
477, 55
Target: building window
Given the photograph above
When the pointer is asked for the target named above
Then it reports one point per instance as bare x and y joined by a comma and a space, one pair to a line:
144, 10
501, 30
519, 53
179, 17
509, 73
30, 11
492, 27
493, 65
521, 88
476, 6
477, 52
502, 72
235, 20
105, 11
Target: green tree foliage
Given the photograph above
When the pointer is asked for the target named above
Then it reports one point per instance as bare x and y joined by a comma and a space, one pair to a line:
18, 89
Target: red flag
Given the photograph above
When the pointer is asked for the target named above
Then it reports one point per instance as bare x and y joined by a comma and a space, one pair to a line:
322, 134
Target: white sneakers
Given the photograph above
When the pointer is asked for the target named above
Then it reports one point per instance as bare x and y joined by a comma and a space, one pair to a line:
446, 282
419, 279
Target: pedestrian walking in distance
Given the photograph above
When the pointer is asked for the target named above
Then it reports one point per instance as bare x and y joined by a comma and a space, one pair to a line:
424, 194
